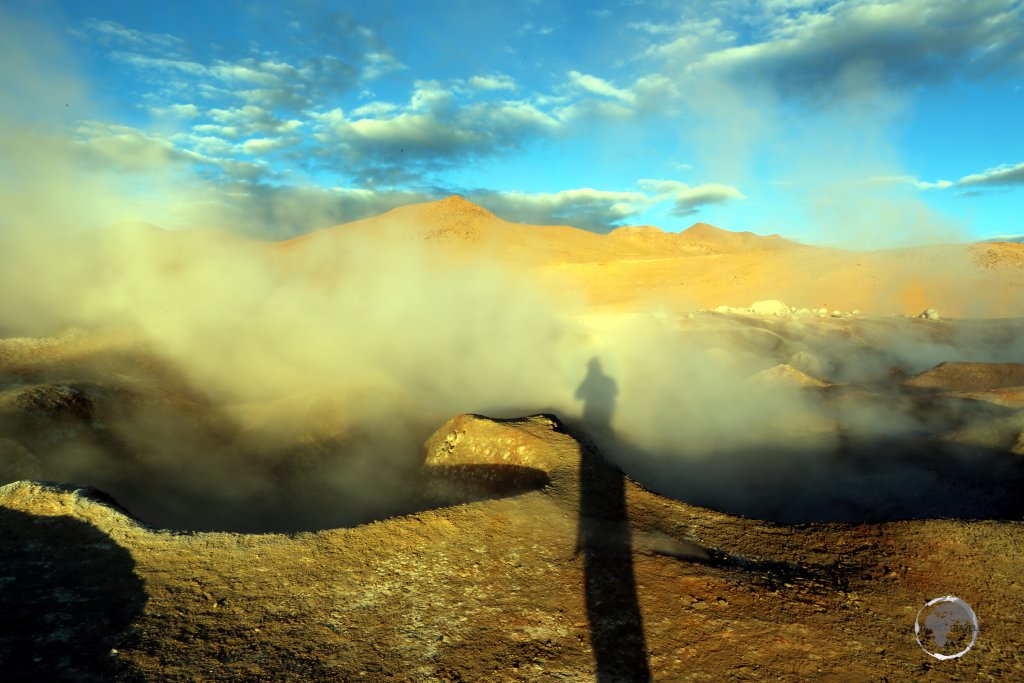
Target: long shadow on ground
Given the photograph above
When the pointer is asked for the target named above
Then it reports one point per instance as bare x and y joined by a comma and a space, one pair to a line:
68, 594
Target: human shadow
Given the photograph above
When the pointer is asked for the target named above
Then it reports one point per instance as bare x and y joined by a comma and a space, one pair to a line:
603, 538
68, 595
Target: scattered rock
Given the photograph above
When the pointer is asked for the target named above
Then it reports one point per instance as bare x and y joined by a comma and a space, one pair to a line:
53, 400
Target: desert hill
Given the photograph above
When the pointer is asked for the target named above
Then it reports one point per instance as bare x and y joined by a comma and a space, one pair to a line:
455, 224
700, 267
734, 241
582, 576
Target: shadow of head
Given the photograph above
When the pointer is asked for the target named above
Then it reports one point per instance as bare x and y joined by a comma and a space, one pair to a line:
598, 392
68, 594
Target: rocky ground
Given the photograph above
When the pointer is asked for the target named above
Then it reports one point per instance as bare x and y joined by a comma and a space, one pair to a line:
559, 583
526, 556
511, 549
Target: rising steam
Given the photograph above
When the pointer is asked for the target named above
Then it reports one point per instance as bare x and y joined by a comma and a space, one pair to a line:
255, 385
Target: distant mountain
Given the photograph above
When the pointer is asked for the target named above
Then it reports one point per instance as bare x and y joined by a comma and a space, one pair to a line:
734, 241
455, 223
1019, 239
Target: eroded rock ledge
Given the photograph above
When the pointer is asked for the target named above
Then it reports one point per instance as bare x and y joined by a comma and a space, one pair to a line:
493, 589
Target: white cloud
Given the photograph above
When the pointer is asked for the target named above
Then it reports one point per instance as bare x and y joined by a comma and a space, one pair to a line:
122, 148
937, 185
493, 82
686, 199
390, 143
587, 208
808, 53
1006, 175
257, 146
252, 119
269, 79
602, 210
184, 111
378, 59
161, 64
206, 144
1000, 176
217, 130
533, 29
373, 110
111, 33
599, 86
685, 41
907, 180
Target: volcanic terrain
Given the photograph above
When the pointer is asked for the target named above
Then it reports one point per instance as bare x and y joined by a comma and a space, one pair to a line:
435, 445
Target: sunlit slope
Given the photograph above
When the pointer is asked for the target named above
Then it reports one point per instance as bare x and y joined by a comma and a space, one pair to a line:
700, 267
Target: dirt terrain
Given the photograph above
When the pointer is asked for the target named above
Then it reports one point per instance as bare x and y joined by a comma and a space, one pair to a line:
512, 453
498, 590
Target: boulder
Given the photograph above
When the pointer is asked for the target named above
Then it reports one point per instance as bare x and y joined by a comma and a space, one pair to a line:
476, 456
930, 314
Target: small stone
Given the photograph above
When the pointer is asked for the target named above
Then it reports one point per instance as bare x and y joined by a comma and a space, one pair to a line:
855, 311
930, 314
837, 313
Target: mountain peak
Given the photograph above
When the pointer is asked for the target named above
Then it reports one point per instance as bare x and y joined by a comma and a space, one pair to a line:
704, 232
637, 231
455, 204
701, 231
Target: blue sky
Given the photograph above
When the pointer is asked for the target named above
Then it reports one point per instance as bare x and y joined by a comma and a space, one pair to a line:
855, 123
